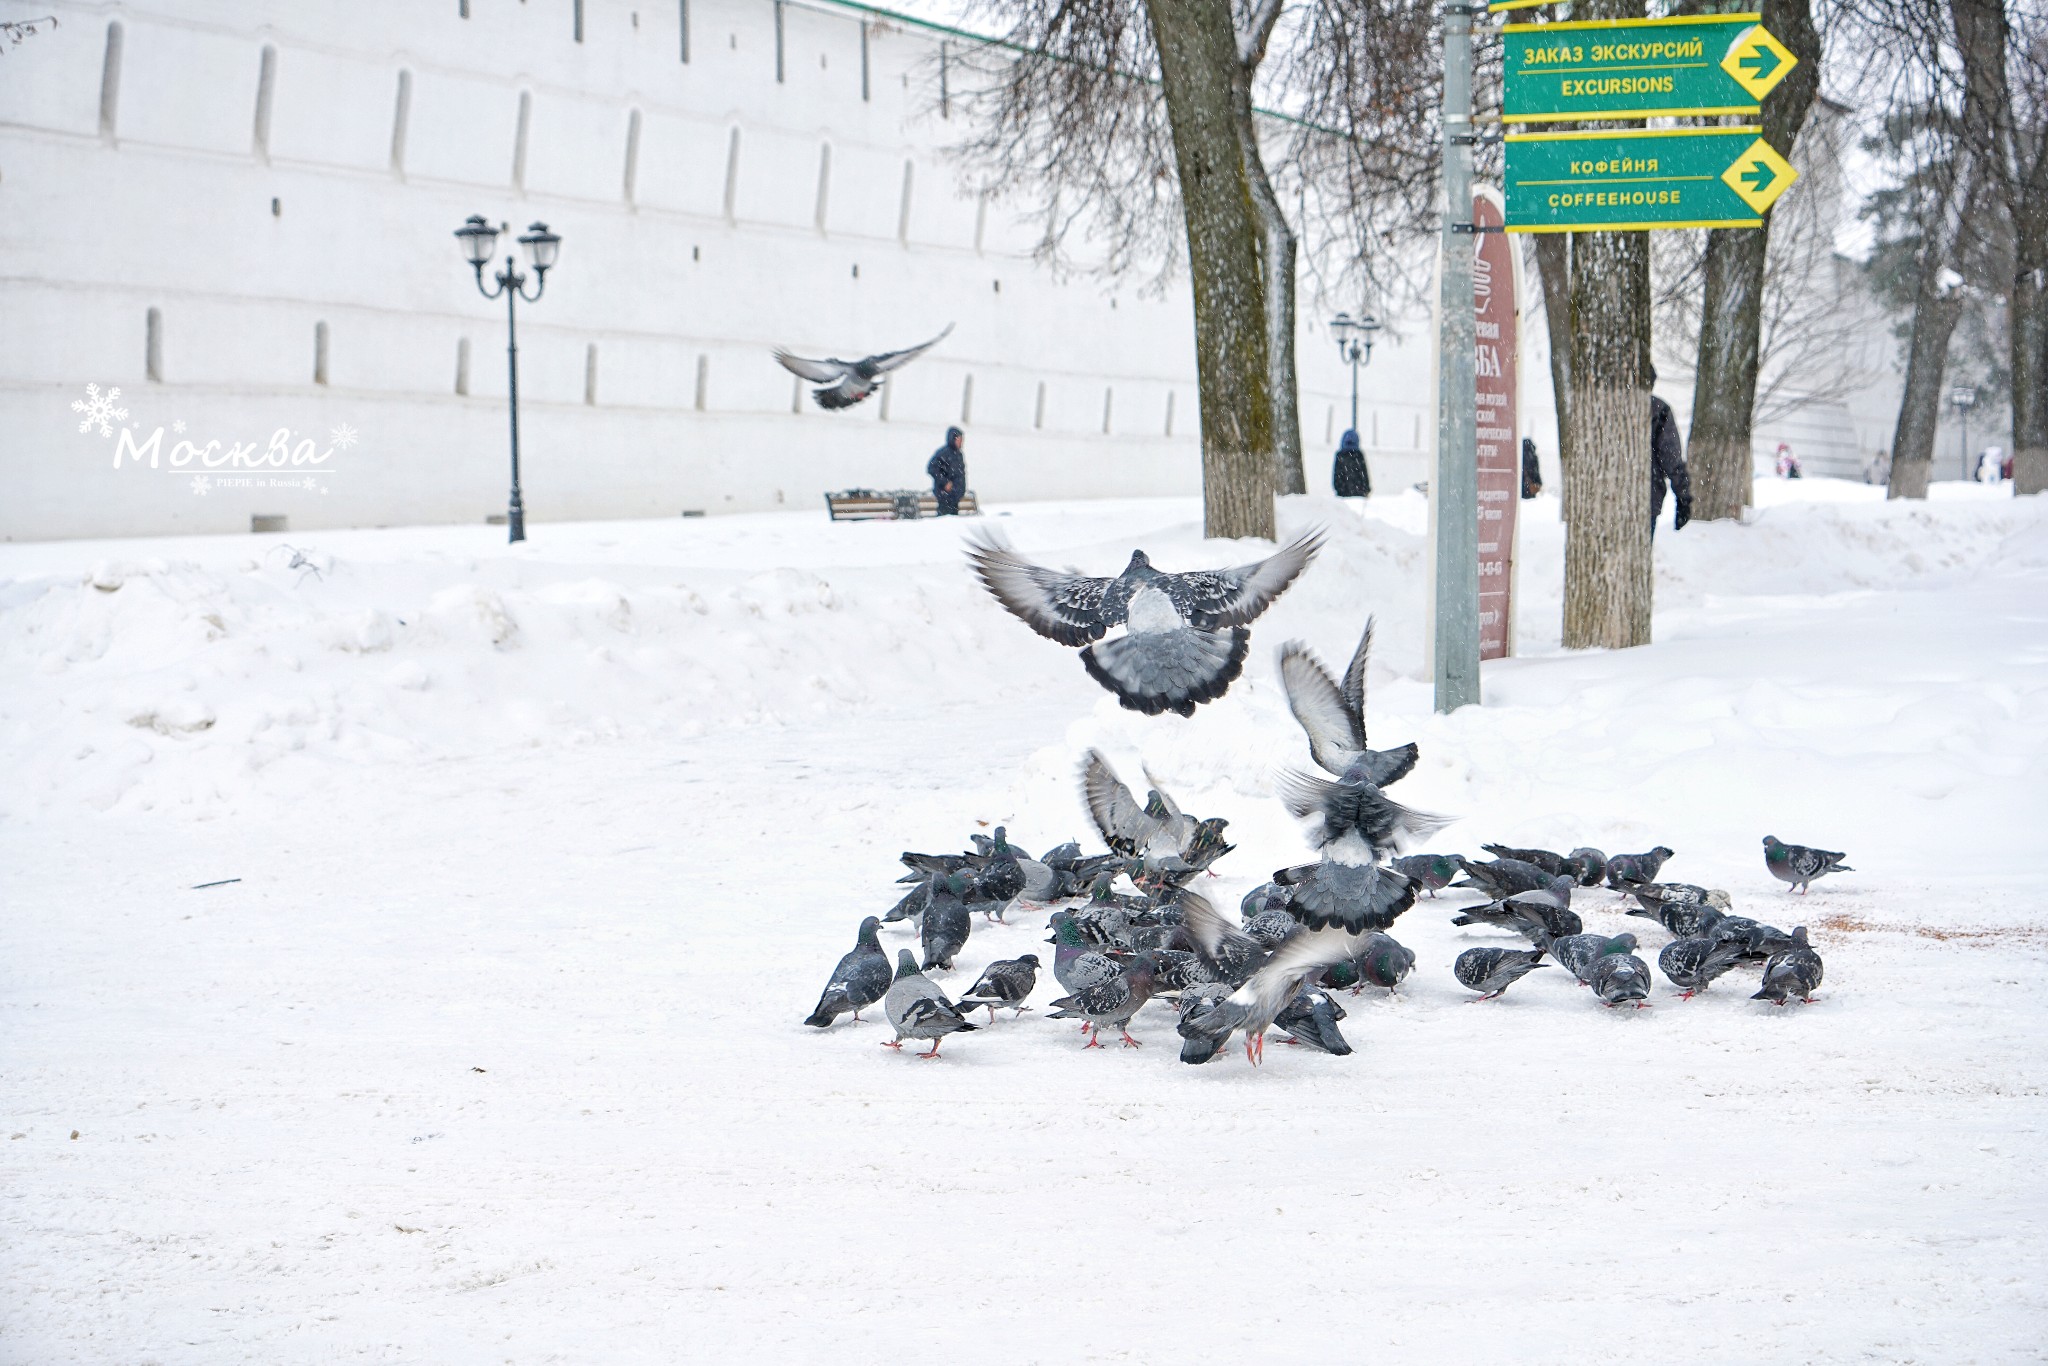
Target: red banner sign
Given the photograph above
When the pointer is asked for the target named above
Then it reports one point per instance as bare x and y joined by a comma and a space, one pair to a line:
1500, 455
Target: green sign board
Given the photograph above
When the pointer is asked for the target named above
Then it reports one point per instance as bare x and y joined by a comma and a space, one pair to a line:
1639, 68
1642, 178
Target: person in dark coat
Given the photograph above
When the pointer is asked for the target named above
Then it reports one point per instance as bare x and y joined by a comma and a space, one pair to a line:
1349, 477
1532, 473
1667, 464
948, 469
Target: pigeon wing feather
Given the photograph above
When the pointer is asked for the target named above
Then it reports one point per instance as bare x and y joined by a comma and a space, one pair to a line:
1235, 597
1068, 608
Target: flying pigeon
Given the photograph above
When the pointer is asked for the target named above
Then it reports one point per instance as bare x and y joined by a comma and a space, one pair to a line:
1381, 961
1578, 953
1354, 897
1311, 1018
1629, 870
1184, 638
1206, 1026
1693, 964
1620, 979
1111, 1003
1358, 822
1794, 971
1433, 871
861, 979
1333, 717
944, 927
1159, 834
918, 1009
1798, 865
1006, 982
1492, 971
848, 382
1231, 954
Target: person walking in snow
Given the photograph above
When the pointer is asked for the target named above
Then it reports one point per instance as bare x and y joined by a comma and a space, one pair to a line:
1667, 464
1349, 476
1532, 473
948, 469
1788, 463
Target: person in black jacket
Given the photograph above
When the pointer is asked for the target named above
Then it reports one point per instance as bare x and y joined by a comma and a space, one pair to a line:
1349, 476
1532, 473
948, 469
1667, 464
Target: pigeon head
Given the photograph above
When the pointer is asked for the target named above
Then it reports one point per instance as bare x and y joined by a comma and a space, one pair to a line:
870, 933
1772, 842
1140, 566
1065, 932
1621, 943
1029, 959
1799, 936
1002, 840
906, 964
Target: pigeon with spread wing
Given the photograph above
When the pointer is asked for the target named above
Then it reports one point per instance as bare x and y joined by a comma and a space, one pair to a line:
1184, 639
844, 383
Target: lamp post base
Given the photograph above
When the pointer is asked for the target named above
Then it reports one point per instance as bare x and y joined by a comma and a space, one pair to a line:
515, 521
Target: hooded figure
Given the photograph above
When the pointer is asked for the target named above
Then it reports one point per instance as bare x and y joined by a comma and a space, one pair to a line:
1532, 472
1667, 463
948, 469
1349, 477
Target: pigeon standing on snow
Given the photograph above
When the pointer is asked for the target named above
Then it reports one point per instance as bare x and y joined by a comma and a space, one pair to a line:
1557, 865
1590, 866
1433, 871
1632, 870
1311, 1018
1076, 963
861, 979
1693, 964
1184, 638
919, 1010
1504, 877
1577, 953
1620, 979
847, 382
1112, 1003
1381, 961
1798, 865
1492, 971
1333, 717
1205, 1027
1004, 983
945, 925
1759, 941
1796, 971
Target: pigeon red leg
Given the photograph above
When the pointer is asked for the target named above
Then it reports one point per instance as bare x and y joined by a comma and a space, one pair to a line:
1129, 1042
897, 1045
934, 1053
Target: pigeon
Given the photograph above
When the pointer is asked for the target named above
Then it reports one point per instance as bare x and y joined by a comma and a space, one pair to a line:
1759, 941
846, 383
1184, 638
1355, 897
1077, 964
1630, 870
918, 1009
1231, 955
1311, 1018
1358, 822
1653, 897
1111, 1003
1381, 961
1179, 970
1433, 871
1004, 983
1793, 971
1693, 964
861, 979
1557, 865
1492, 971
944, 927
1333, 717
1540, 915
1504, 877
1687, 921
1620, 979
1590, 866
1798, 865
1272, 928
913, 904
1075, 871
1578, 953
1158, 834
1206, 1026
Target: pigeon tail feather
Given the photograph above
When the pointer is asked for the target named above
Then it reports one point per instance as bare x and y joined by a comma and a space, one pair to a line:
1156, 671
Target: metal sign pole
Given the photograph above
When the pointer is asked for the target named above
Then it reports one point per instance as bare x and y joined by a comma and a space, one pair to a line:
1456, 662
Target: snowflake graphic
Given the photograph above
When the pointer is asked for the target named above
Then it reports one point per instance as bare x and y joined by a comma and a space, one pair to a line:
343, 436
310, 481
179, 426
200, 483
99, 409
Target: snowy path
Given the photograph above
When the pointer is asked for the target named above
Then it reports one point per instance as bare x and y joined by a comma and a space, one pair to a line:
608, 853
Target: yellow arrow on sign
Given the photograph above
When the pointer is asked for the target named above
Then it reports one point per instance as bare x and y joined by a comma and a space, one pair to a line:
1760, 175
1758, 61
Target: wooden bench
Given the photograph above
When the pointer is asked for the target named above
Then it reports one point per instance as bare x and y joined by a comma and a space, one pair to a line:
892, 505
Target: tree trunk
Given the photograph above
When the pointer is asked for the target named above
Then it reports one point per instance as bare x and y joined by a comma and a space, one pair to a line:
1935, 313
1278, 250
1607, 575
1731, 315
1198, 69
2030, 357
1554, 270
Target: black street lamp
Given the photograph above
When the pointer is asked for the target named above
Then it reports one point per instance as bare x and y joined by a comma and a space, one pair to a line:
1964, 398
1354, 344
479, 240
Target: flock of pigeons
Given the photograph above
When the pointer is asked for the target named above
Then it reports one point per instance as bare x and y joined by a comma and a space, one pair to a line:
1312, 930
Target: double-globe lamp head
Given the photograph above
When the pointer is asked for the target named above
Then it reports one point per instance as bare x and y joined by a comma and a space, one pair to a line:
479, 241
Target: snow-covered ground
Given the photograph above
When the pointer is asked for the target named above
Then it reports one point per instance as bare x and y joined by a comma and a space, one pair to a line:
493, 1052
